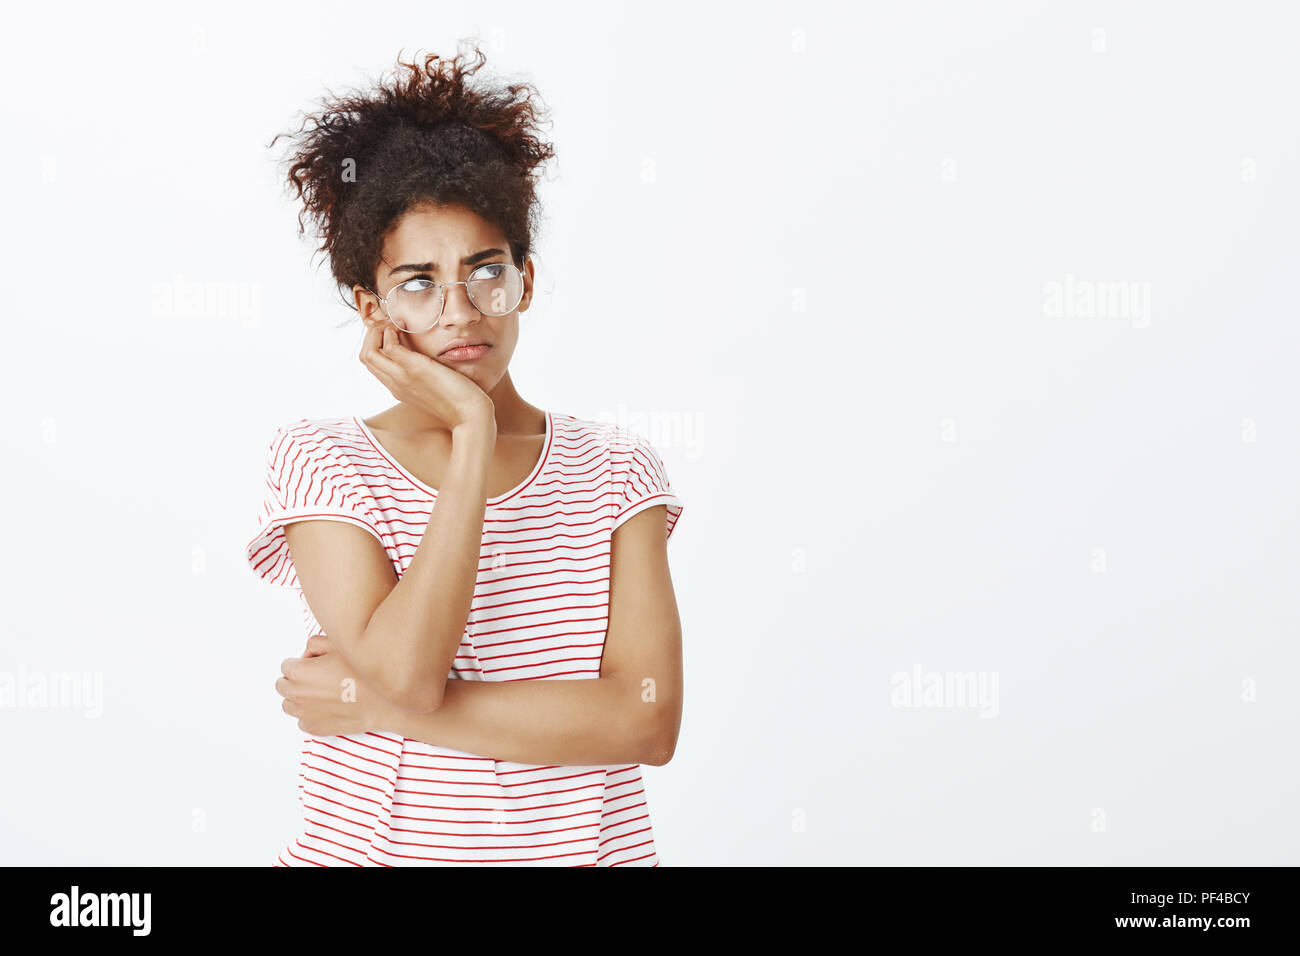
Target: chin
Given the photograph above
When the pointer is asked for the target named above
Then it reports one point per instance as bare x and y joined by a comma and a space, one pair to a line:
478, 377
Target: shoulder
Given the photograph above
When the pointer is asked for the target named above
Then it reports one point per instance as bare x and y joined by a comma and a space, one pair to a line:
317, 430
323, 433
313, 444
633, 464
620, 440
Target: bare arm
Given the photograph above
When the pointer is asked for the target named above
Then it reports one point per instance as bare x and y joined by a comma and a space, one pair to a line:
401, 635
630, 714
562, 722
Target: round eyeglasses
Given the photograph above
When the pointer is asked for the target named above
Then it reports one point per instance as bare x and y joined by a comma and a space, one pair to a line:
415, 305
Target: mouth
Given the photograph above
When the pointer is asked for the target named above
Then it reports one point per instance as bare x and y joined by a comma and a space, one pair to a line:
466, 352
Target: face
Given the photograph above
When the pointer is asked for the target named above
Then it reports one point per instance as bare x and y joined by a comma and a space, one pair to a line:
446, 244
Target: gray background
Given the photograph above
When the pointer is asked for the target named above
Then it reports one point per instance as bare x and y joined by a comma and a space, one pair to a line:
804, 248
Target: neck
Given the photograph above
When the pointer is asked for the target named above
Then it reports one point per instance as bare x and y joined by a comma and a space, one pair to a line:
514, 415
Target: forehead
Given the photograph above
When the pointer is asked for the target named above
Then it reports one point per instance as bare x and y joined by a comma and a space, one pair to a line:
442, 235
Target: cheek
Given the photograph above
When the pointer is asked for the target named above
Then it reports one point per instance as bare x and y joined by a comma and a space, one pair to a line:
422, 343
501, 353
507, 341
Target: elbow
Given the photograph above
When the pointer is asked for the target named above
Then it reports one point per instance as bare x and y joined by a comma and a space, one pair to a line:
659, 747
423, 697
406, 685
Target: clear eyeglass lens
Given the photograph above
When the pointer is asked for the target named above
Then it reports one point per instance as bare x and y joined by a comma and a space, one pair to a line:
495, 289
414, 306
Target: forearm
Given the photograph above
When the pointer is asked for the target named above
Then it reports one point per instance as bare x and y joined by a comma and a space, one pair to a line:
412, 638
592, 722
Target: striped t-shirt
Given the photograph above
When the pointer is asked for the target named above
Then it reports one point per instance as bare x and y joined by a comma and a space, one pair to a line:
540, 612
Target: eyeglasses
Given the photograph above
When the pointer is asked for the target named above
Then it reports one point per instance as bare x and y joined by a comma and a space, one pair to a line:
415, 305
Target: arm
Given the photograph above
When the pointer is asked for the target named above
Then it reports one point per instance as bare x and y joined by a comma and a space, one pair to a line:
631, 713
401, 635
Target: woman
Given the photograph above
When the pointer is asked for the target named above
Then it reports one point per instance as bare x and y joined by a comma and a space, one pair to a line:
494, 643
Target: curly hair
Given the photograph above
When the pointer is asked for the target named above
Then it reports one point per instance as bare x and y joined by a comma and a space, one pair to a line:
427, 135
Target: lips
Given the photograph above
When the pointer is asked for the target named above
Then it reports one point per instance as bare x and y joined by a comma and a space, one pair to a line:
463, 343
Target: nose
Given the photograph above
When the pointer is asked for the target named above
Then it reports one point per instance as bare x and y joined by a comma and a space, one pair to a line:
457, 310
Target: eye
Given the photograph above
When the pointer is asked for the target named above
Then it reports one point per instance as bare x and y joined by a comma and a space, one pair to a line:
492, 270
418, 284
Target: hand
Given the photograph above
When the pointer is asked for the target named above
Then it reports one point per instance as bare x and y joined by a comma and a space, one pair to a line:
319, 689
414, 378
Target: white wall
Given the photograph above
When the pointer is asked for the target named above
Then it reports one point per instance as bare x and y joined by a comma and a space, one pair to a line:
807, 249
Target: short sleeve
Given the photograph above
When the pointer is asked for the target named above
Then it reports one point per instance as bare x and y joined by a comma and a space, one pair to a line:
645, 483
304, 480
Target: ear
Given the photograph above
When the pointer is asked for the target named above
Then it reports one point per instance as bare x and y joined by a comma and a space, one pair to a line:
529, 276
367, 304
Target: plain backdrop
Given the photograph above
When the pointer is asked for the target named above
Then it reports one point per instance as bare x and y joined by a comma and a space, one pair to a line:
967, 332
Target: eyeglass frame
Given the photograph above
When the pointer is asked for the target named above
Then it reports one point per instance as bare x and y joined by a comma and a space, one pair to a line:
442, 291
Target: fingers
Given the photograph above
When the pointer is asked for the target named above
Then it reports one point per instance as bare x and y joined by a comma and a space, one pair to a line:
394, 349
317, 644
380, 363
398, 367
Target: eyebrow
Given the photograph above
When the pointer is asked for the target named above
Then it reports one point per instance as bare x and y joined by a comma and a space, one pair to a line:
429, 266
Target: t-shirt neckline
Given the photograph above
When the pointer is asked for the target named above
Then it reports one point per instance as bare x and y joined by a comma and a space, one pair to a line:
432, 492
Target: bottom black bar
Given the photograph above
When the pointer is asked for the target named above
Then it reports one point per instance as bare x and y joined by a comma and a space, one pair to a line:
1164, 905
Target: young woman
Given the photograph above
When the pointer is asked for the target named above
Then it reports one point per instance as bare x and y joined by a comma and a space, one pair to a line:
494, 645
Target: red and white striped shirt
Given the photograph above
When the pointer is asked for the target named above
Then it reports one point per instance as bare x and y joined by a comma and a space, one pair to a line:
540, 612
